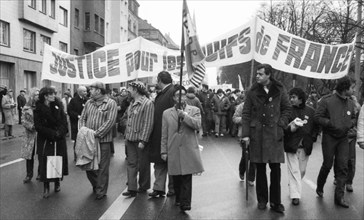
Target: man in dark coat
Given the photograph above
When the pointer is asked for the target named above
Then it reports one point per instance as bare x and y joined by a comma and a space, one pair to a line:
265, 115
205, 98
163, 101
74, 109
21, 102
336, 115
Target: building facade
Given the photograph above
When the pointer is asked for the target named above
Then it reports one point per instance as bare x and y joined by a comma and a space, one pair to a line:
133, 19
25, 26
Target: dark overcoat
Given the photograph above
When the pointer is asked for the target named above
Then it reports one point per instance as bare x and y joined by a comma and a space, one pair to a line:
263, 119
51, 125
163, 101
74, 110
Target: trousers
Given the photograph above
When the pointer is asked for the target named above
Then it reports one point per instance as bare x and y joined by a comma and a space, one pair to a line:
262, 184
137, 162
160, 174
183, 189
296, 167
334, 149
99, 179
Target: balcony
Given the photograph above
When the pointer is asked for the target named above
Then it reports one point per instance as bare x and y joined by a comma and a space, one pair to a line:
35, 17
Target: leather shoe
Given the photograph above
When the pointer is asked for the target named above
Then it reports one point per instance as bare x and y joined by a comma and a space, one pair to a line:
341, 202
295, 201
241, 177
57, 186
169, 194
156, 193
46, 191
277, 207
320, 193
130, 193
349, 188
185, 208
27, 179
99, 197
262, 205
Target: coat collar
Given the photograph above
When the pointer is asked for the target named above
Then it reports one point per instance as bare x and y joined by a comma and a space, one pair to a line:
274, 90
165, 89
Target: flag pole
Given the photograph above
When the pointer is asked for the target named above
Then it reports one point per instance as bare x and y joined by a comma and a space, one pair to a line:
181, 64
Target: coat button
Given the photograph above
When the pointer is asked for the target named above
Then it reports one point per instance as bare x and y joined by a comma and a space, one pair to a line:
263, 125
263, 114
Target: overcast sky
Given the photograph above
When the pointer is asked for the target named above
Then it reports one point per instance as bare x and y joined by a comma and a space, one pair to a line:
213, 18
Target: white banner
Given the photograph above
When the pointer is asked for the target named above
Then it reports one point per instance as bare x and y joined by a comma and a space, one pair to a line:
119, 62
256, 39
266, 43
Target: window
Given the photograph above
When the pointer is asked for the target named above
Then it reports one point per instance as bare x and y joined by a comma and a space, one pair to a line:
30, 79
33, 4
77, 17
53, 8
29, 40
63, 46
97, 23
102, 26
5, 73
43, 6
4, 33
75, 51
87, 21
63, 17
44, 40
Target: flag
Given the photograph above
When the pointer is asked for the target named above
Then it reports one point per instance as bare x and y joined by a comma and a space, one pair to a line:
193, 53
241, 88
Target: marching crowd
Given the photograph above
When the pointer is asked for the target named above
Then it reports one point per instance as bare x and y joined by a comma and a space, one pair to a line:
163, 127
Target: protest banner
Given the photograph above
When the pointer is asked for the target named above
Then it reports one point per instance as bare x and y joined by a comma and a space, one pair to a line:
257, 39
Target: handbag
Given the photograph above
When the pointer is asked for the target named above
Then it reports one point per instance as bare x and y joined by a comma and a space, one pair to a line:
54, 165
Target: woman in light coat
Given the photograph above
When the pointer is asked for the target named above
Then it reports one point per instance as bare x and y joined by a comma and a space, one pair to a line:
8, 106
28, 149
181, 147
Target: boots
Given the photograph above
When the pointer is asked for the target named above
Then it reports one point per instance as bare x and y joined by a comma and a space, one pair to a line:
46, 190
29, 165
57, 186
27, 179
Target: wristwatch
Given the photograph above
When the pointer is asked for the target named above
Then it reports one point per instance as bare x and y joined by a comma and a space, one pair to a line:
143, 142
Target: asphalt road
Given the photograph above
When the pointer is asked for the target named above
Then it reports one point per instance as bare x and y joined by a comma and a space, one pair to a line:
217, 194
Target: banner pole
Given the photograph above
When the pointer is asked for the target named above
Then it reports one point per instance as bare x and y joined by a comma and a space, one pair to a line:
251, 73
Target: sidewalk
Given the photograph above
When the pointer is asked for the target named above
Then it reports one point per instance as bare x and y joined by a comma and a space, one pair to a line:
18, 131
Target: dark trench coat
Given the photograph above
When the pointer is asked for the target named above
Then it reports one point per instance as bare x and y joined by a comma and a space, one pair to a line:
263, 119
51, 125
74, 110
163, 101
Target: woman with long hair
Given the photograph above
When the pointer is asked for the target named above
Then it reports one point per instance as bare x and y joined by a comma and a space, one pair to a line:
51, 125
28, 149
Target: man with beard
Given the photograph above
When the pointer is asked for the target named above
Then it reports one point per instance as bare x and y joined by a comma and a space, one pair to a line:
336, 115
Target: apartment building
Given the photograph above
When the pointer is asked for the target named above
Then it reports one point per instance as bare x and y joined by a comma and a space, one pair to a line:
25, 26
116, 18
133, 19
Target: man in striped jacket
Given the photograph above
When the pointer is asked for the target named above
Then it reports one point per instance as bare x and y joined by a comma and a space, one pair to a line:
139, 126
99, 114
